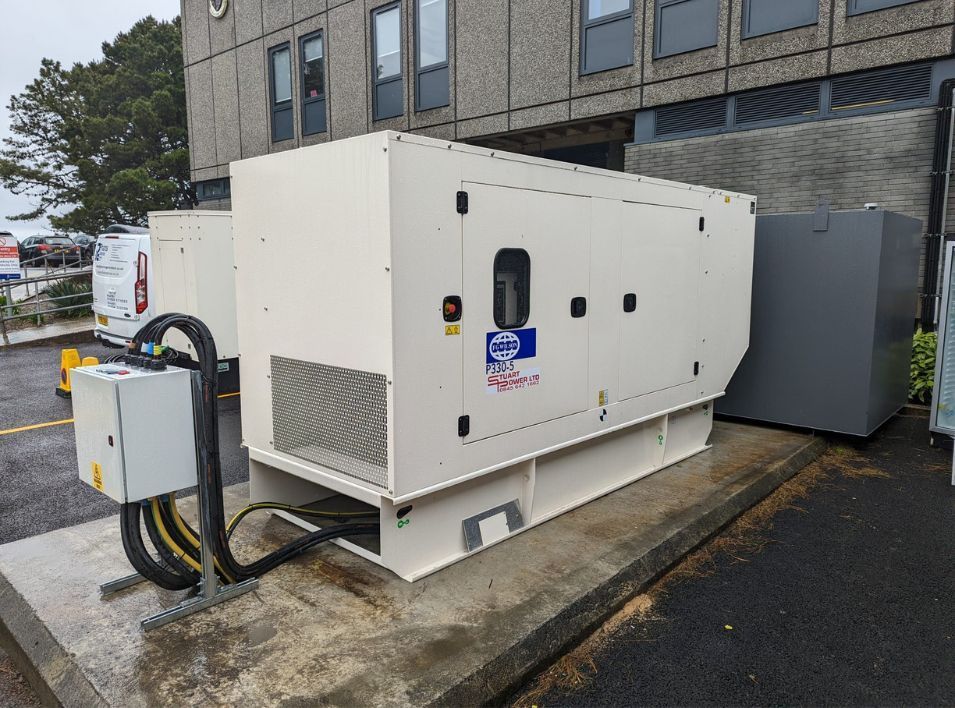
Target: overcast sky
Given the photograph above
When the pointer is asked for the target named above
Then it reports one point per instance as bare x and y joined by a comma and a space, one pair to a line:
69, 31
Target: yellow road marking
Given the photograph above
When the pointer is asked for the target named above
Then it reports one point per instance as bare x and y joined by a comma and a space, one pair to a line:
67, 421
11, 431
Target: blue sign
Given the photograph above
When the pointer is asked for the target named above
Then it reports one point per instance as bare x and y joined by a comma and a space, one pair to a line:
511, 344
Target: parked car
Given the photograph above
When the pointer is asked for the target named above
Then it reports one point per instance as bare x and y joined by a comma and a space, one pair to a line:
38, 251
86, 244
122, 278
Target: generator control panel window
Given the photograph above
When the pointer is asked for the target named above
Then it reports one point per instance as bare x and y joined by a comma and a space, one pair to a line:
512, 288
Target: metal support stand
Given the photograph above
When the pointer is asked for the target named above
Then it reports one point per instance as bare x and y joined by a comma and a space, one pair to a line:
210, 591
953, 461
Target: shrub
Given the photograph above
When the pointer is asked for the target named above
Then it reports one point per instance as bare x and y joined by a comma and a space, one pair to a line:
14, 310
922, 377
72, 292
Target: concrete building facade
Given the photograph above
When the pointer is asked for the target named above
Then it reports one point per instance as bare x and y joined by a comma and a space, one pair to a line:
791, 100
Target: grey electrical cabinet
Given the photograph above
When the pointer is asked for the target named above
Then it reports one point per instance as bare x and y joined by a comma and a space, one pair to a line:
833, 309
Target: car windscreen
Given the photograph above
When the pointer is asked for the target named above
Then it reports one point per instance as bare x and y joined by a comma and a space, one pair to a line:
58, 241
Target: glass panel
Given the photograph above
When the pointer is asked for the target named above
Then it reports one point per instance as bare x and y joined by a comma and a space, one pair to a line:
388, 44
432, 32
766, 16
312, 67
512, 288
686, 25
601, 8
282, 75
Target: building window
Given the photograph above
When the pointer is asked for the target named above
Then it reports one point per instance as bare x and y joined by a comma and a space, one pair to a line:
858, 7
431, 61
512, 288
211, 189
768, 16
312, 51
684, 26
606, 39
387, 99
280, 86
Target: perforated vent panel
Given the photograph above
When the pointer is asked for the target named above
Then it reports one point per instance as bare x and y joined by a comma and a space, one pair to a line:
335, 417
906, 83
688, 117
785, 102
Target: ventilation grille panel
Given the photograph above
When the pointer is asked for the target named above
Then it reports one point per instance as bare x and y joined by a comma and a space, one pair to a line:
786, 102
334, 417
907, 83
689, 117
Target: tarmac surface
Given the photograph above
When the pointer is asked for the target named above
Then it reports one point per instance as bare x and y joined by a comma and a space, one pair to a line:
41, 490
851, 603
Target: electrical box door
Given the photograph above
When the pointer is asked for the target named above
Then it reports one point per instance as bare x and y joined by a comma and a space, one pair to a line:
660, 262
525, 297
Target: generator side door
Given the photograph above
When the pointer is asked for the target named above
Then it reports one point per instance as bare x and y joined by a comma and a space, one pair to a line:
525, 326
660, 264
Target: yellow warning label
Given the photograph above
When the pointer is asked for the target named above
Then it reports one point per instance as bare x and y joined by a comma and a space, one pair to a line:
450, 330
98, 476
726, 199
603, 397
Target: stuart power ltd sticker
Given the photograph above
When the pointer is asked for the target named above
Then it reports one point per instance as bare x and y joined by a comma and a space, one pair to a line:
504, 352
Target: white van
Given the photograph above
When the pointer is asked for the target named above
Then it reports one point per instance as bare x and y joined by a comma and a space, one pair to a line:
122, 281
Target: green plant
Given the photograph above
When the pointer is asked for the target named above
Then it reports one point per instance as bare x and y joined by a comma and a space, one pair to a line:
922, 377
11, 312
74, 293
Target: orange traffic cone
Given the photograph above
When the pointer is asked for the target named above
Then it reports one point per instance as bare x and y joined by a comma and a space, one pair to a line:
69, 359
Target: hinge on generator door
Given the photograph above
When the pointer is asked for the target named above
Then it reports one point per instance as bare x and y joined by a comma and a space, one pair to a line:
464, 425
462, 203
702, 223
696, 368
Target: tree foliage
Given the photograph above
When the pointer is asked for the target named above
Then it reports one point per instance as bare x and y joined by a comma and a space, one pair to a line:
103, 142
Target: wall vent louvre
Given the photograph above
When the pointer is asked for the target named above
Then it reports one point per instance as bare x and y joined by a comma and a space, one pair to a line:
690, 117
773, 104
906, 83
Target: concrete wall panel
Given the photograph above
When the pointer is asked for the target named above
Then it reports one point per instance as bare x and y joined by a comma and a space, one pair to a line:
248, 20
225, 92
203, 139
482, 60
622, 101
540, 115
196, 29
222, 32
347, 70
901, 48
303, 9
487, 125
253, 99
686, 89
276, 15
540, 52
903, 18
778, 71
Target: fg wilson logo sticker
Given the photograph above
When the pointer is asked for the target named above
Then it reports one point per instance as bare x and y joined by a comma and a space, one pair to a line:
503, 350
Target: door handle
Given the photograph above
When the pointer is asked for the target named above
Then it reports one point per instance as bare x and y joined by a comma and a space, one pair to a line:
578, 307
629, 302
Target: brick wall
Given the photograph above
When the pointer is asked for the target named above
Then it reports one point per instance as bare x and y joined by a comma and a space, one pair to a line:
884, 158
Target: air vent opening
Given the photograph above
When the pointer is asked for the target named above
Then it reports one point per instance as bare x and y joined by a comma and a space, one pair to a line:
877, 88
690, 117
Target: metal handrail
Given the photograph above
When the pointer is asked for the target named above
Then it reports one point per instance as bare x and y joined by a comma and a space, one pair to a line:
7, 313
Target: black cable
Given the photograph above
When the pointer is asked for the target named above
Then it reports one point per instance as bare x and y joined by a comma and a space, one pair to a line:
138, 555
205, 410
173, 561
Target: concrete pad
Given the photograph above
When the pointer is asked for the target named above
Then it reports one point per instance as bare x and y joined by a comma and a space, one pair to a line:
333, 628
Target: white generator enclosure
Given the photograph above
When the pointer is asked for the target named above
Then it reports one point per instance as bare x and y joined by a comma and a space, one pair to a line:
467, 343
194, 272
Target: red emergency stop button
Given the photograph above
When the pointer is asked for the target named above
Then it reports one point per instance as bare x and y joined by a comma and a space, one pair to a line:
452, 308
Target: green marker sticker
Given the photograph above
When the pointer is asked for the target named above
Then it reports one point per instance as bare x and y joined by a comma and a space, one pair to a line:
659, 439
403, 523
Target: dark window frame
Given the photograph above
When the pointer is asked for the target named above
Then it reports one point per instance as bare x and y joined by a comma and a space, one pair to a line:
376, 83
746, 33
202, 194
525, 311
431, 68
278, 107
852, 7
587, 24
658, 7
308, 100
